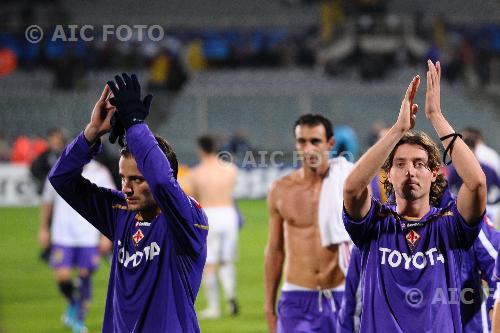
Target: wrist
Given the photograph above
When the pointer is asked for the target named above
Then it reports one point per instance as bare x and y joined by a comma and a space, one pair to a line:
434, 115
398, 130
91, 134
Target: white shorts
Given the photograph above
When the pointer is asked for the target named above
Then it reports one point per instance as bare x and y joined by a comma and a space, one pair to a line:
222, 239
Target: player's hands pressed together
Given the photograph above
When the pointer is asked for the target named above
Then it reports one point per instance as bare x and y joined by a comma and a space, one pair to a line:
433, 93
408, 111
100, 120
131, 109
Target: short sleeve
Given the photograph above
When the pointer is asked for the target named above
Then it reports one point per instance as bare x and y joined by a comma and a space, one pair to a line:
459, 233
361, 230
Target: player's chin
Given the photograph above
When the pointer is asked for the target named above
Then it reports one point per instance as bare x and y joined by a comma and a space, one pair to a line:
133, 207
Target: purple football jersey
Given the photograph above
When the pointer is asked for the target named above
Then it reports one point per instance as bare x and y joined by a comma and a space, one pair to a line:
157, 265
411, 280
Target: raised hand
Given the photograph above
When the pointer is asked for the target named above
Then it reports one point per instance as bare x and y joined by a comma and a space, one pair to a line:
433, 93
408, 112
117, 130
131, 109
100, 120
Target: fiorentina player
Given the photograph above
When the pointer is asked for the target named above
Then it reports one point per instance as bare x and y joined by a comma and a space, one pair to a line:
412, 252
158, 232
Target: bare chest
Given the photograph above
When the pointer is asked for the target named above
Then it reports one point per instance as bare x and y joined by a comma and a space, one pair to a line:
299, 206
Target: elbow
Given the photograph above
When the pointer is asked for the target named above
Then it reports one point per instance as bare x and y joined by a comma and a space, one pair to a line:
478, 185
54, 178
349, 190
352, 192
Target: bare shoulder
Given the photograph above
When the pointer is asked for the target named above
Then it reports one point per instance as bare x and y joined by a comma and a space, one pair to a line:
283, 184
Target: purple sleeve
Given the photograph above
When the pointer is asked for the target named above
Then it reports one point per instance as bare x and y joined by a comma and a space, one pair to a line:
495, 279
459, 233
349, 315
92, 202
362, 230
496, 271
185, 216
485, 249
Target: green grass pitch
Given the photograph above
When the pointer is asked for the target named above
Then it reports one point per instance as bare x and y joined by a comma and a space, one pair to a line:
30, 301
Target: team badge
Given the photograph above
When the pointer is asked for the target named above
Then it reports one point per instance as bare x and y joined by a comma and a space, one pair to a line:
137, 237
412, 238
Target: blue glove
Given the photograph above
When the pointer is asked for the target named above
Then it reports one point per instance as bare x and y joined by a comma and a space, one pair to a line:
127, 99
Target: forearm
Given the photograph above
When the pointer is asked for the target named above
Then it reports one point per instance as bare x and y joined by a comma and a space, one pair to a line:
465, 162
273, 270
45, 214
91, 134
495, 321
95, 204
370, 163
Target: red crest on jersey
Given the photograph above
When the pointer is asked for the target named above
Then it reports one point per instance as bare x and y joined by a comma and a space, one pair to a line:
412, 237
137, 237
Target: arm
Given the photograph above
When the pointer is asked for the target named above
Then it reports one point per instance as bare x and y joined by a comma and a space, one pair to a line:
185, 216
495, 321
274, 258
471, 199
44, 230
356, 186
92, 202
349, 316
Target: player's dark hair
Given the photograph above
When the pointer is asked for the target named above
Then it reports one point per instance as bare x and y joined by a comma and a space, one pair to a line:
312, 120
165, 147
207, 144
434, 163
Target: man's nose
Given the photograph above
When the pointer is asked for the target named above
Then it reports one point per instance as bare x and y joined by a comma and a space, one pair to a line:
410, 170
309, 148
126, 188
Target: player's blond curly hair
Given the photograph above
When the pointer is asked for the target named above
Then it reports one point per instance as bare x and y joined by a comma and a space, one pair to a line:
434, 163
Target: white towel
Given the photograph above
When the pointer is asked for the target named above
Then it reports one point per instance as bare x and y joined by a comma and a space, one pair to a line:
331, 226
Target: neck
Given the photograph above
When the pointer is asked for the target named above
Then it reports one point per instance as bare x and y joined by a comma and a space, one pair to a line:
149, 214
315, 173
414, 208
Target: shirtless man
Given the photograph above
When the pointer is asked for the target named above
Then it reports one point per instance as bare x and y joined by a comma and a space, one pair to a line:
294, 240
212, 183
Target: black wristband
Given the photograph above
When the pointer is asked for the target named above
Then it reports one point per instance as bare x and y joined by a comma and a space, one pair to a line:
449, 148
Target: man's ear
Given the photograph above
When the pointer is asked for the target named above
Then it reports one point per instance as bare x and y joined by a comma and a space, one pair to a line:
331, 143
388, 175
435, 174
